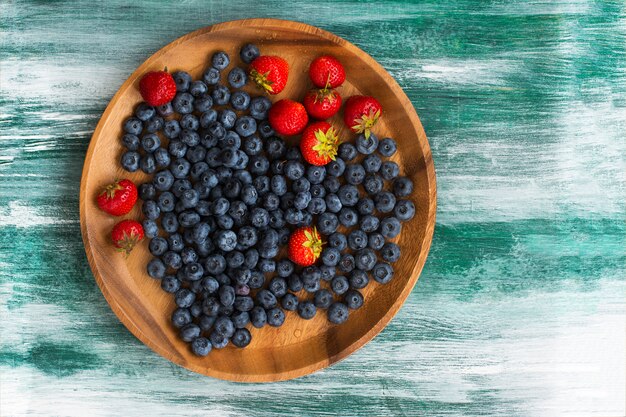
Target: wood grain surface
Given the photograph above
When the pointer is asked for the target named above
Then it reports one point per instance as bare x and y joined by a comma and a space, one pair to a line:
298, 347
520, 307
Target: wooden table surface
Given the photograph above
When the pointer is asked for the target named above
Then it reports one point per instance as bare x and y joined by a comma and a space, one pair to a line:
520, 309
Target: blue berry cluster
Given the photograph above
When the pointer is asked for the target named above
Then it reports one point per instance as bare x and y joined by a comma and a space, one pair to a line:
225, 194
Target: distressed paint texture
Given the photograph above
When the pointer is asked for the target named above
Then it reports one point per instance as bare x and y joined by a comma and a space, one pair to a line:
520, 310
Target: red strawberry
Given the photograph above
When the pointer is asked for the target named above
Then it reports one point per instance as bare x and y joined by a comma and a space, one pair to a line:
322, 104
157, 88
361, 113
327, 72
288, 117
118, 198
319, 143
126, 234
270, 73
305, 246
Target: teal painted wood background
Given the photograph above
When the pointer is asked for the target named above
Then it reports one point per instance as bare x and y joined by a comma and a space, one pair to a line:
520, 310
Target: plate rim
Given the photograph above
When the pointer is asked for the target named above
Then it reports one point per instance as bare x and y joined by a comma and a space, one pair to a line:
425, 244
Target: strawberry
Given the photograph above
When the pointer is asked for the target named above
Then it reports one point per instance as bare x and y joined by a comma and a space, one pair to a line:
322, 104
157, 88
126, 234
118, 198
327, 72
270, 73
305, 246
288, 117
361, 114
319, 143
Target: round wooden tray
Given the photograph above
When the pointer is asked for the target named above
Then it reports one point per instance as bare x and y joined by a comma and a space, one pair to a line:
299, 347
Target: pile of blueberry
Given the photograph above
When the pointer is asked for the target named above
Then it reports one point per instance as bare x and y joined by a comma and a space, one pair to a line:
227, 192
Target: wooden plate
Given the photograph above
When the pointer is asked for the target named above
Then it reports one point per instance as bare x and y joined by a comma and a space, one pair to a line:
299, 347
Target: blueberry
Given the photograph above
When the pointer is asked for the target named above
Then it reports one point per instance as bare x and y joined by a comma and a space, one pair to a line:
150, 228
275, 317
175, 242
165, 110
188, 255
244, 303
278, 286
294, 216
289, 302
144, 111
211, 306
183, 80
242, 160
259, 217
202, 104
240, 319
262, 184
277, 219
244, 176
210, 284
278, 185
259, 165
227, 118
179, 186
240, 100
150, 209
302, 200
245, 126
238, 211
162, 158
333, 203
183, 103
357, 239
402, 187
247, 236
265, 129
365, 259
315, 174
382, 273
347, 151
266, 299
169, 222
389, 170
231, 188
348, 195
340, 285
259, 107
224, 326
327, 223
201, 346
332, 184
172, 259
348, 217
220, 206
404, 210
390, 252
206, 322
170, 284
237, 77
390, 227
306, 310
318, 190
258, 317
294, 170
154, 124
338, 313
190, 332
180, 168
365, 206
166, 202
171, 129
130, 161
131, 142
242, 337
133, 126
218, 341
251, 257
257, 279
354, 174
330, 256
323, 299
270, 201
148, 164
369, 223
366, 145
249, 52
346, 263
285, 268
220, 60
385, 202
221, 95
226, 240
177, 149
188, 218
193, 271
211, 76
147, 191
353, 299
198, 88
336, 168
317, 206
294, 283
181, 317
372, 163
275, 147
184, 298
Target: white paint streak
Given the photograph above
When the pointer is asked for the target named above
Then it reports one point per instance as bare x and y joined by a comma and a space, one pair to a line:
22, 215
